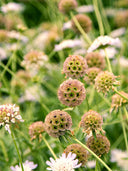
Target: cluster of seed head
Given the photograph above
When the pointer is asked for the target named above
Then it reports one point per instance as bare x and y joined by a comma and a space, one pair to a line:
71, 92
100, 145
121, 18
36, 129
104, 81
91, 74
81, 153
84, 21
95, 59
9, 114
91, 121
75, 66
65, 6
57, 123
118, 101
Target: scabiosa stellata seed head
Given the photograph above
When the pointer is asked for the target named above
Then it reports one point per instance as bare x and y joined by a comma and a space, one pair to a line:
36, 129
105, 81
84, 21
100, 145
118, 101
91, 121
121, 18
81, 153
75, 66
65, 6
57, 123
9, 114
91, 74
71, 92
95, 59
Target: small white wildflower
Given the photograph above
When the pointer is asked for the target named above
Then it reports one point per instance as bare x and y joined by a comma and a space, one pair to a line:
67, 25
28, 166
63, 163
104, 41
13, 120
118, 32
12, 6
91, 164
111, 52
85, 9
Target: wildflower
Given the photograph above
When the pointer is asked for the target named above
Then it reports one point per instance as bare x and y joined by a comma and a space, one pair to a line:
124, 62
85, 9
9, 114
91, 121
104, 41
28, 166
121, 18
111, 52
57, 123
75, 66
67, 25
36, 129
118, 32
71, 92
84, 21
17, 36
95, 59
65, 6
12, 6
91, 164
81, 153
100, 145
63, 163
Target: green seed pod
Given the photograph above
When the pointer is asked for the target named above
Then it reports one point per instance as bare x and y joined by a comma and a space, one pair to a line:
91, 121
100, 145
57, 122
95, 59
75, 66
65, 6
84, 21
71, 92
81, 153
91, 75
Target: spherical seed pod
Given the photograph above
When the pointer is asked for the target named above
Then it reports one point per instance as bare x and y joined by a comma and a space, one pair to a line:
118, 101
91, 75
91, 121
100, 145
71, 92
57, 122
104, 81
95, 59
75, 66
81, 153
36, 129
121, 18
65, 6
84, 21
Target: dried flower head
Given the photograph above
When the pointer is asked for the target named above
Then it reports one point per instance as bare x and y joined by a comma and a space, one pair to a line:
95, 59
3, 36
100, 145
105, 81
9, 114
84, 21
91, 75
36, 129
65, 6
57, 123
75, 66
121, 18
118, 101
71, 92
91, 121
81, 153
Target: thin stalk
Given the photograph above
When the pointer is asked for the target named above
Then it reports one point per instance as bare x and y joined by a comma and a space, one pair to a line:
125, 111
88, 40
100, 160
17, 149
120, 93
91, 97
46, 142
108, 61
95, 4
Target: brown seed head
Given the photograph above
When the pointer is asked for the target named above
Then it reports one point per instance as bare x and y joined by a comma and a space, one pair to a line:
65, 6
121, 18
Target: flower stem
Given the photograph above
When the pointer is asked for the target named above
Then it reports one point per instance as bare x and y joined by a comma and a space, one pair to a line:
108, 61
46, 142
120, 93
14, 141
100, 160
88, 40
125, 111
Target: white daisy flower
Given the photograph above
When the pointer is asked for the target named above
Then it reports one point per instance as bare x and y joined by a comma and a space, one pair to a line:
28, 166
63, 163
104, 41
85, 9
12, 6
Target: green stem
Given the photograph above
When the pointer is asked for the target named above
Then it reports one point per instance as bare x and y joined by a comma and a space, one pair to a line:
95, 4
14, 141
108, 61
120, 93
125, 111
46, 142
88, 40
100, 160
